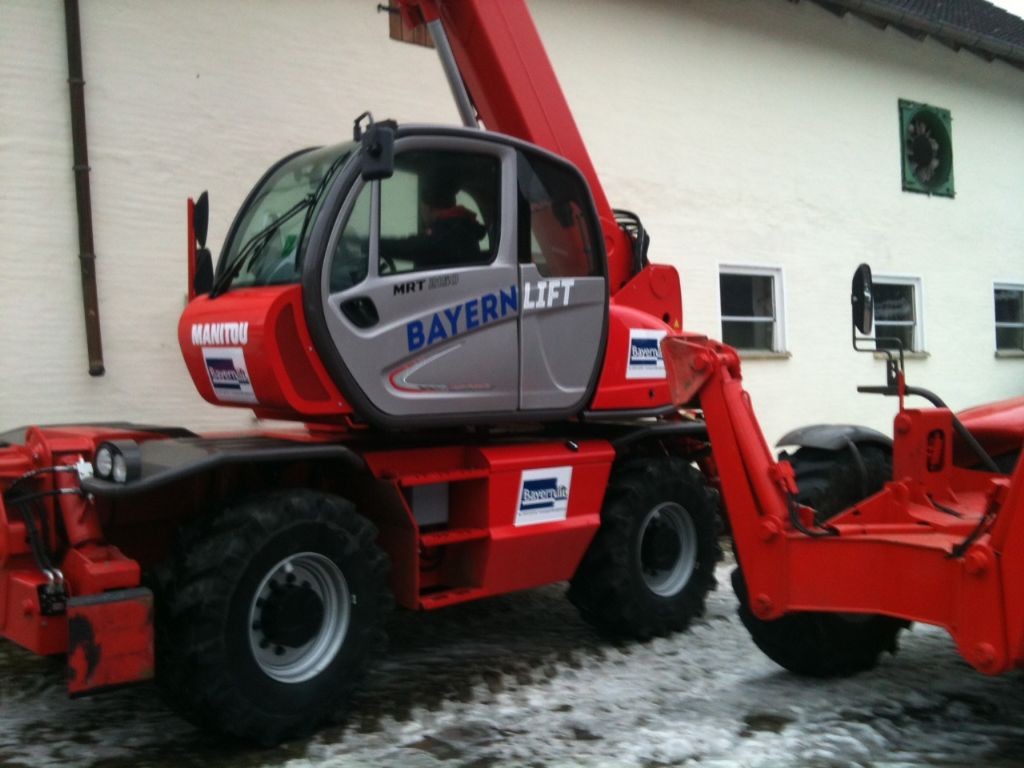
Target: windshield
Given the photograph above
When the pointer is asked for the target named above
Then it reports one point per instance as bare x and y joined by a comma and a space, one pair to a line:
265, 247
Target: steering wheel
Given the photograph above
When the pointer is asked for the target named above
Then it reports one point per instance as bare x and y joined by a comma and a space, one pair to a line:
350, 263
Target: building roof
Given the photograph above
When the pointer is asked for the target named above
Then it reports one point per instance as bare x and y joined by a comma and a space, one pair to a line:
974, 25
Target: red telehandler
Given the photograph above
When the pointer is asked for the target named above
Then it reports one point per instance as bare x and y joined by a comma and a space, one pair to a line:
492, 391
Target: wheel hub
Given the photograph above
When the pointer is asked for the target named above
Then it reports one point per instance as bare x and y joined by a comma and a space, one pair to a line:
661, 546
292, 615
299, 617
667, 549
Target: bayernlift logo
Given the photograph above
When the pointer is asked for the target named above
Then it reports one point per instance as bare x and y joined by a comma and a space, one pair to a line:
544, 495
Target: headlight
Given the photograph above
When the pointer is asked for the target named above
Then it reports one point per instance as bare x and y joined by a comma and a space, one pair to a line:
104, 461
118, 460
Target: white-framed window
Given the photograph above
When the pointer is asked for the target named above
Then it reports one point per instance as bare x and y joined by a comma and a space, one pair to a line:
751, 302
898, 314
1009, 304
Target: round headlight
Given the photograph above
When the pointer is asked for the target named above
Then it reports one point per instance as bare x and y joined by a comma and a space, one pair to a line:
119, 460
104, 461
120, 469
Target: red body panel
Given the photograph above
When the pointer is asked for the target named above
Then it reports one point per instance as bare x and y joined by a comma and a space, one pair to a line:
110, 640
487, 546
266, 329
896, 553
997, 426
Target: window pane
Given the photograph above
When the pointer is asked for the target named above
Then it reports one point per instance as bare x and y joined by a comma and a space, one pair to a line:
885, 334
747, 295
352, 253
748, 335
893, 302
439, 209
1010, 338
1009, 305
554, 231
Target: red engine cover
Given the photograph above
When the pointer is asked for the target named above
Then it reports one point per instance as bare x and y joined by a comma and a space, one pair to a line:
250, 348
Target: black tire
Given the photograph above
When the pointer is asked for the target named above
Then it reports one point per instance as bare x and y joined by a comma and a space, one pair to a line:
830, 481
818, 644
651, 564
267, 615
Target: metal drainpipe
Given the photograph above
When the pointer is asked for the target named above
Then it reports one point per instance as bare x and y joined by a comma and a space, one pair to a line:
86, 254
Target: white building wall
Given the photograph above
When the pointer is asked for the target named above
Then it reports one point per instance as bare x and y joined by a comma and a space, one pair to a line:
743, 131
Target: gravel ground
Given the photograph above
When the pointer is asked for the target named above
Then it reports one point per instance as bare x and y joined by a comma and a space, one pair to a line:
520, 680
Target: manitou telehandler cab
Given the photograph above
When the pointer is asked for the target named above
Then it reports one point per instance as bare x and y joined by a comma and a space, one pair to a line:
470, 342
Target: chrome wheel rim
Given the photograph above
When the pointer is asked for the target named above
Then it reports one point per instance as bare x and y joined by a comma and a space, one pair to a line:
667, 549
299, 617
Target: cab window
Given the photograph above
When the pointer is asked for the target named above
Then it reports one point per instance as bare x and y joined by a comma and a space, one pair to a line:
555, 231
352, 253
439, 209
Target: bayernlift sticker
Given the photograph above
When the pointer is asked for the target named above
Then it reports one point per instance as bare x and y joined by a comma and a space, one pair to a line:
228, 374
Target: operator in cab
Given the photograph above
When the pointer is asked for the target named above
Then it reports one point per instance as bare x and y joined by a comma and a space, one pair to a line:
450, 234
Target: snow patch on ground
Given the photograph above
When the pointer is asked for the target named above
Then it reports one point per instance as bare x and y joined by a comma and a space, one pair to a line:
520, 680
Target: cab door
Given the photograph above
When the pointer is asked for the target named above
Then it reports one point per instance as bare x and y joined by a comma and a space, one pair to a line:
419, 285
563, 286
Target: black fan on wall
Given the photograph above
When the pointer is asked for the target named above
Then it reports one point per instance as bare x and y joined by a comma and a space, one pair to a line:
927, 149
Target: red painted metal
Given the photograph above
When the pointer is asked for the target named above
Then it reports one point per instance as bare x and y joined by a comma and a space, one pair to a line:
110, 640
998, 426
267, 325
483, 549
21, 620
896, 553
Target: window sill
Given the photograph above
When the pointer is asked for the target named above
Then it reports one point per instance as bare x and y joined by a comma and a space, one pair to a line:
763, 354
1010, 354
906, 355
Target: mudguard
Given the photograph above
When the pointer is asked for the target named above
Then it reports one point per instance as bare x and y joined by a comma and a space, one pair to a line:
833, 437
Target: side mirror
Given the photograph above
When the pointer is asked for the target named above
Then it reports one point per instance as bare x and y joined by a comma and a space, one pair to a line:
379, 150
200, 266
862, 299
201, 219
202, 283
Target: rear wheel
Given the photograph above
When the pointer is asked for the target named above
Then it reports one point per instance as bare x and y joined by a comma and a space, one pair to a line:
269, 614
819, 644
652, 562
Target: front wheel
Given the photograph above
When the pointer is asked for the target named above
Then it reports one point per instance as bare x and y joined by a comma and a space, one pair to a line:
270, 613
652, 562
819, 644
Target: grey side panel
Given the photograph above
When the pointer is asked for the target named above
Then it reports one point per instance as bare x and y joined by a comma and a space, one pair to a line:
832, 437
562, 337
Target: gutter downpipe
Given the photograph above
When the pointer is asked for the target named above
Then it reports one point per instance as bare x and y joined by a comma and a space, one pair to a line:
86, 252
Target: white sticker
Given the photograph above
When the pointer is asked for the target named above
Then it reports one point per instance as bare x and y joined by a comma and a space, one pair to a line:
228, 374
645, 360
543, 495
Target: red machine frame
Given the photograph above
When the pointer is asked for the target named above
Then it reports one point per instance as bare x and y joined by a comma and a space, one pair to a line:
939, 544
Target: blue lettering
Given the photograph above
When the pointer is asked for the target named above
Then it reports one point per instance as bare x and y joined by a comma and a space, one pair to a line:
472, 309
436, 331
489, 307
453, 318
415, 332
509, 301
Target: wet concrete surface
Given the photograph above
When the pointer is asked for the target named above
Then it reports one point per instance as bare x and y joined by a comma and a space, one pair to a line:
521, 680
